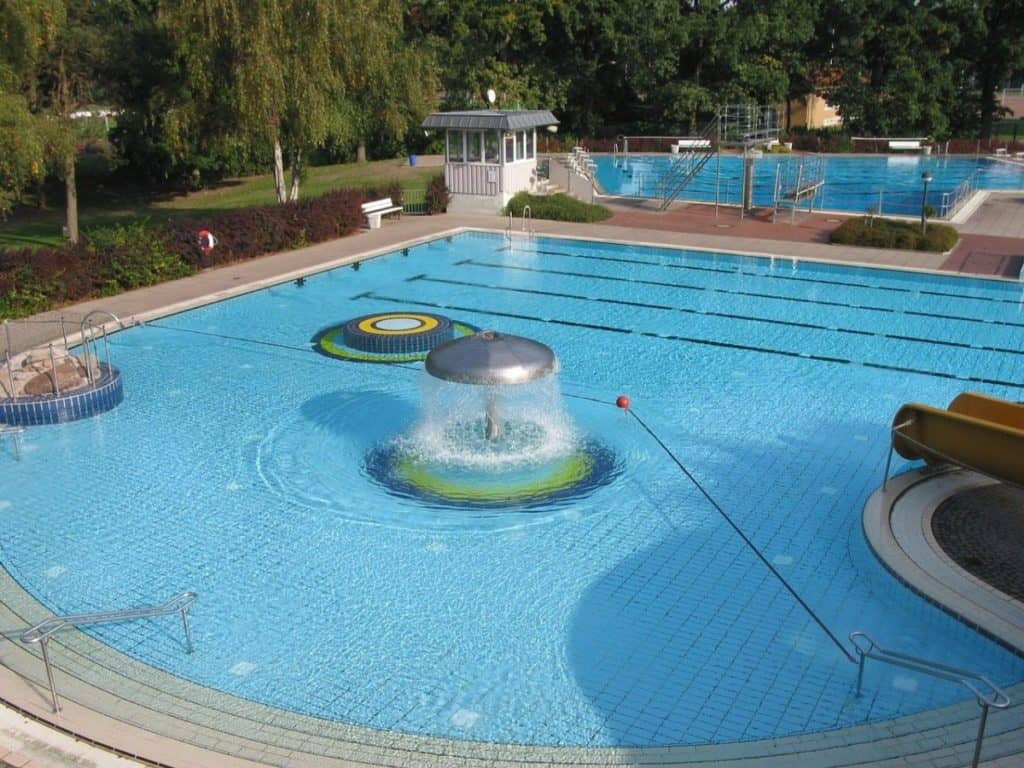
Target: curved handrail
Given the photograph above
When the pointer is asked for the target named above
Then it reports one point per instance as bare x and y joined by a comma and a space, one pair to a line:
867, 647
994, 696
106, 312
40, 633
90, 338
47, 627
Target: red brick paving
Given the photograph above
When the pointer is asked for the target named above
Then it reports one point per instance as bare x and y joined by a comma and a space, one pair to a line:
974, 254
701, 219
987, 255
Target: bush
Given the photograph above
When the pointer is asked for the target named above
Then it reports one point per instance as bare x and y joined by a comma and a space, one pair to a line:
39, 278
255, 231
118, 258
558, 207
887, 233
438, 196
130, 256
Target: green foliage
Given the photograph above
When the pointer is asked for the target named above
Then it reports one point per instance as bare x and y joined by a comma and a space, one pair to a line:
125, 256
888, 233
557, 208
132, 256
438, 196
292, 76
22, 150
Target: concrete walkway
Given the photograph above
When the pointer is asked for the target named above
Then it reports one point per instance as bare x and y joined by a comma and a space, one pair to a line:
684, 226
121, 704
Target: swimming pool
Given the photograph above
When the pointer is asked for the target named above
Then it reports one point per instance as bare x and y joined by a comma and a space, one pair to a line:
632, 615
890, 184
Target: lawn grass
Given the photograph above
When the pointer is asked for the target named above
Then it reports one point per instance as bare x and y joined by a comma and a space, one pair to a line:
103, 205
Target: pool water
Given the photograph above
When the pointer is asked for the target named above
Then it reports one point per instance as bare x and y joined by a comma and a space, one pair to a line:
633, 613
890, 184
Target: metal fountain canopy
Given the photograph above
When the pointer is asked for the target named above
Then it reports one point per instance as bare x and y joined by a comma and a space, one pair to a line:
493, 358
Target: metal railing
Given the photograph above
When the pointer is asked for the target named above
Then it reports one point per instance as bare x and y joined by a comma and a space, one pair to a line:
528, 220
796, 180
686, 165
414, 201
987, 693
41, 632
90, 333
14, 432
951, 201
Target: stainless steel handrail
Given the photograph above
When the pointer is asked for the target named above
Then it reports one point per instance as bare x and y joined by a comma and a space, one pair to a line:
15, 432
527, 219
91, 338
987, 693
40, 633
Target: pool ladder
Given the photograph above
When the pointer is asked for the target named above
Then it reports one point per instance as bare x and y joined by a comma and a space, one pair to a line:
527, 225
15, 434
987, 693
41, 632
528, 221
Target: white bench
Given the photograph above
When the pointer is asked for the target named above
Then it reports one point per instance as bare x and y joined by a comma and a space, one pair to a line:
375, 209
913, 145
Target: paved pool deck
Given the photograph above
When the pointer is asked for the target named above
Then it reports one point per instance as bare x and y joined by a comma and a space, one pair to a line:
119, 712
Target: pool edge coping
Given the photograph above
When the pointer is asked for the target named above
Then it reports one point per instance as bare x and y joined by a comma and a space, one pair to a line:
883, 728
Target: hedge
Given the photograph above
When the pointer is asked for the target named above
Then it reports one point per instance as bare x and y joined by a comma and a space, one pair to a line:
558, 207
872, 231
110, 260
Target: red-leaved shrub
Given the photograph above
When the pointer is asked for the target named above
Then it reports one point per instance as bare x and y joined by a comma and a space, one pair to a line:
33, 280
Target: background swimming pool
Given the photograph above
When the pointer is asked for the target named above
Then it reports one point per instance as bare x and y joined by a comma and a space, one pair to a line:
891, 184
633, 616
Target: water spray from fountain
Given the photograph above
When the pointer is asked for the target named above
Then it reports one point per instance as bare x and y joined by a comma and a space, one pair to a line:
494, 430
493, 360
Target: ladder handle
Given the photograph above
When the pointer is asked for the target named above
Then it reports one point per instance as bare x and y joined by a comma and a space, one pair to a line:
867, 648
45, 628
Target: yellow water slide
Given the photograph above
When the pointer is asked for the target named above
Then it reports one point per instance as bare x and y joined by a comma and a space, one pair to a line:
976, 431
988, 408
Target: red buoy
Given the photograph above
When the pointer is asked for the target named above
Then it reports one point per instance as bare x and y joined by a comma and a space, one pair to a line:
623, 402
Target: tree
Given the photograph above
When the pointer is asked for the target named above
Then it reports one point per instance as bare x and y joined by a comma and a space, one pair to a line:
52, 54
291, 74
896, 74
485, 45
991, 47
22, 149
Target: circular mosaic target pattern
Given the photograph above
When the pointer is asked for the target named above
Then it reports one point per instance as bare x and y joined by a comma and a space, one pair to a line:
397, 332
389, 337
572, 476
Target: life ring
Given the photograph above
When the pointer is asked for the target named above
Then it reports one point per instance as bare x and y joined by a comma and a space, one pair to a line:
206, 241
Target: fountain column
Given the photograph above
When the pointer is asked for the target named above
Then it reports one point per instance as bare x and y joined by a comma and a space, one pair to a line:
494, 360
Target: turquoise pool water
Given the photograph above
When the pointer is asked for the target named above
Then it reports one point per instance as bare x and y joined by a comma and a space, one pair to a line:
632, 614
891, 184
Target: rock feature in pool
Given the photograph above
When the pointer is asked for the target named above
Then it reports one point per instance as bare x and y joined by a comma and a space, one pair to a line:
493, 433
388, 337
53, 386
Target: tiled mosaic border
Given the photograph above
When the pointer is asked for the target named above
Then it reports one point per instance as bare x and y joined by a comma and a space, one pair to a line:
105, 394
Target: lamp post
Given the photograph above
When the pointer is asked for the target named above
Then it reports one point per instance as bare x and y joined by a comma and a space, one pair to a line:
926, 177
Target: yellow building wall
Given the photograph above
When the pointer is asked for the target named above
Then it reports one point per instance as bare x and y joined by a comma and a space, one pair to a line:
811, 111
